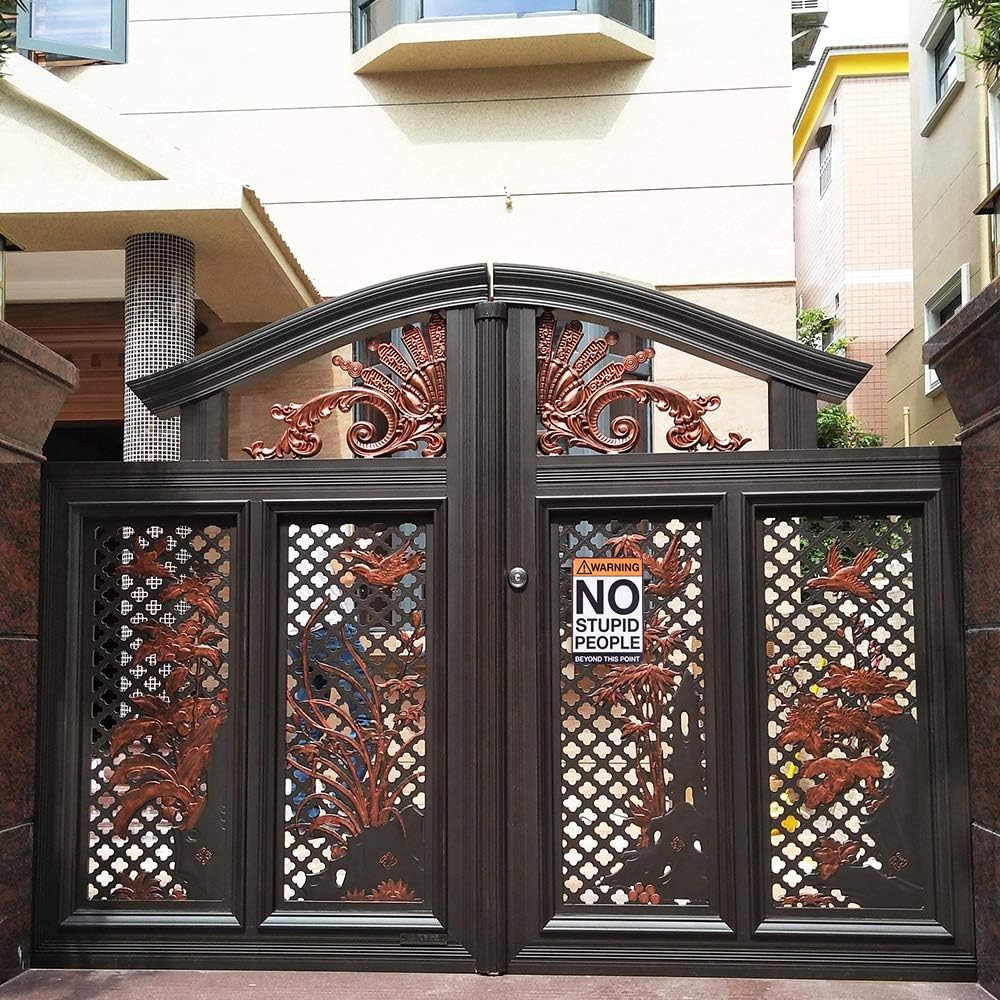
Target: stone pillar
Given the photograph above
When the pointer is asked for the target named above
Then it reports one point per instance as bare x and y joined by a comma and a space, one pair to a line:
34, 382
159, 333
965, 353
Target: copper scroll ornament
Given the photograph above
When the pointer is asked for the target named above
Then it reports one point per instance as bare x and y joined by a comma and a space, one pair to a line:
414, 409
570, 407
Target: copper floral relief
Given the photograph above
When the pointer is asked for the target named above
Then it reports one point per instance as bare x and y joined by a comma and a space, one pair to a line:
570, 405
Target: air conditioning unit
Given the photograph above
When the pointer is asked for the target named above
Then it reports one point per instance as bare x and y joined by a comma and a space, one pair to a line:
808, 18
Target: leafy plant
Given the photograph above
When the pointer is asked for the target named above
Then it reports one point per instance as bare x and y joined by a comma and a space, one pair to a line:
836, 428
985, 16
814, 329
8, 26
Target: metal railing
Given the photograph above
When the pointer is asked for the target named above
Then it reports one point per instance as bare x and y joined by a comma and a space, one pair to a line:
374, 17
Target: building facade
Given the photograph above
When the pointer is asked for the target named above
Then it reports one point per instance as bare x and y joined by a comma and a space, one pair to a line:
602, 143
853, 241
953, 135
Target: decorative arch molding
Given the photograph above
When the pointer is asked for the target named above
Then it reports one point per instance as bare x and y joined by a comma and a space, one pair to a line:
797, 375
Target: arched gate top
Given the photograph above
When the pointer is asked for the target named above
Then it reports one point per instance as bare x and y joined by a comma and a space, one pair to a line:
609, 301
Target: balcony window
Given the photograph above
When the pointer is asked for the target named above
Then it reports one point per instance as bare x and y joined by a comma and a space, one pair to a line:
373, 18
77, 29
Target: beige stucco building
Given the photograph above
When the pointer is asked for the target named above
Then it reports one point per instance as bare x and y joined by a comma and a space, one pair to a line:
954, 127
568, 139
853, 241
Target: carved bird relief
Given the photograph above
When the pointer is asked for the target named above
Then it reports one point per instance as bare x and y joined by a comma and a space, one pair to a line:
843, 579
386, 571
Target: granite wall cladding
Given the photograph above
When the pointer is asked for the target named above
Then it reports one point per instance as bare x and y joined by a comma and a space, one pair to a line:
981, 560
965, 352
19, 526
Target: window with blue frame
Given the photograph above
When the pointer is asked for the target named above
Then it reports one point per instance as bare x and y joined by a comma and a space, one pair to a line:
76, 29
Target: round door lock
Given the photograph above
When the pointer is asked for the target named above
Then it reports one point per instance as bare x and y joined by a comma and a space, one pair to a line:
518, 578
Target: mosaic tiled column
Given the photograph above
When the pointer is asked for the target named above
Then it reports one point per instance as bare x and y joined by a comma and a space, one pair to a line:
159, 333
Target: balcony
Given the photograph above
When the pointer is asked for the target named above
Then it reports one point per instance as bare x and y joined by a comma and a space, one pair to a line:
392, 36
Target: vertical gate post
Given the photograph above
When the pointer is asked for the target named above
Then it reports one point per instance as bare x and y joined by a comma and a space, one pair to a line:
476, 517
205, 429
35, 383
791, 416
965, 353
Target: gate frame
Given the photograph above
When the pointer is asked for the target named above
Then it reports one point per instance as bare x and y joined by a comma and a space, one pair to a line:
492, 458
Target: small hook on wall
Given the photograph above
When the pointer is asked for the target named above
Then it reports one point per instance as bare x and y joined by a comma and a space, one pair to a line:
508, 201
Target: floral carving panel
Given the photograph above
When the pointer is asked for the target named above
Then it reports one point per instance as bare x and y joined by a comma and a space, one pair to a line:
637, 809
156, 725
354, 784
844, 794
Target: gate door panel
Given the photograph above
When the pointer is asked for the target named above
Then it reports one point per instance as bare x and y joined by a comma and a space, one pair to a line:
770, 778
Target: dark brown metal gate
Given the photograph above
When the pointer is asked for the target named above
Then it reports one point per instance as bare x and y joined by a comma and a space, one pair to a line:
303, 714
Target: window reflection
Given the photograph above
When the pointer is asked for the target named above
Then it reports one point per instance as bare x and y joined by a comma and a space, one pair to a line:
73, 22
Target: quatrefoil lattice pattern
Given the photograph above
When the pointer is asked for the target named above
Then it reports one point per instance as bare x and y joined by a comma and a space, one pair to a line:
130, 605
629, 837
842, 724
354, 790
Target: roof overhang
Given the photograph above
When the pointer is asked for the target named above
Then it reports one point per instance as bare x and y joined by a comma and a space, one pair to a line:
244, 270
835, 65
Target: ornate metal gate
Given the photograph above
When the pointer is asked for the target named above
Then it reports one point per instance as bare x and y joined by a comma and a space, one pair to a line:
328, 713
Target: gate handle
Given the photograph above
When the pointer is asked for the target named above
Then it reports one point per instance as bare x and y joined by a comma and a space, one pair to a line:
517, 578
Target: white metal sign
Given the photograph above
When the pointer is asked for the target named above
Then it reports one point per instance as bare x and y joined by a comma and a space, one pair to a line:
607, 610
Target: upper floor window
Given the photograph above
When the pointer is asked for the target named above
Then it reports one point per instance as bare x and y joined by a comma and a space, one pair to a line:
940, 308
825, 162
375, 17
942, 68
77, 29
945, 62
478, 8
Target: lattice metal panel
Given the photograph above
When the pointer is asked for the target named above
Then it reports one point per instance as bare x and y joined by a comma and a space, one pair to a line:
845, 795
636, 822
355, 709
155, 725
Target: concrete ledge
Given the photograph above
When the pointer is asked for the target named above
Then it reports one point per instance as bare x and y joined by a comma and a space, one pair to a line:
475, 43
34, 382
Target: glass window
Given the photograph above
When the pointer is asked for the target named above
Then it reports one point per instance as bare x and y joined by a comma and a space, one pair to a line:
825, 165
945, 312
87, 29
472, 8
945, 69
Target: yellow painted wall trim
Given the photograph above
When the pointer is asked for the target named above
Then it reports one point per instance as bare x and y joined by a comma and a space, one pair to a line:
835, 68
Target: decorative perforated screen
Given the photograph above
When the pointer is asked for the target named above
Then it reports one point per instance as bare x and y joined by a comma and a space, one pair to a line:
636, 813
843, 732
155, 727
354, 787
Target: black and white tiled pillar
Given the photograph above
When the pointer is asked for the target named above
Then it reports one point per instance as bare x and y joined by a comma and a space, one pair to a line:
159, 332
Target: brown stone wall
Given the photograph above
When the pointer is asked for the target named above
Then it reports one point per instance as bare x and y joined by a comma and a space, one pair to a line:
966, 355
34, 383
981, 556
19, 517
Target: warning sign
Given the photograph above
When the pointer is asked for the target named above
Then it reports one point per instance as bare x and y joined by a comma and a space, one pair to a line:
607, 610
